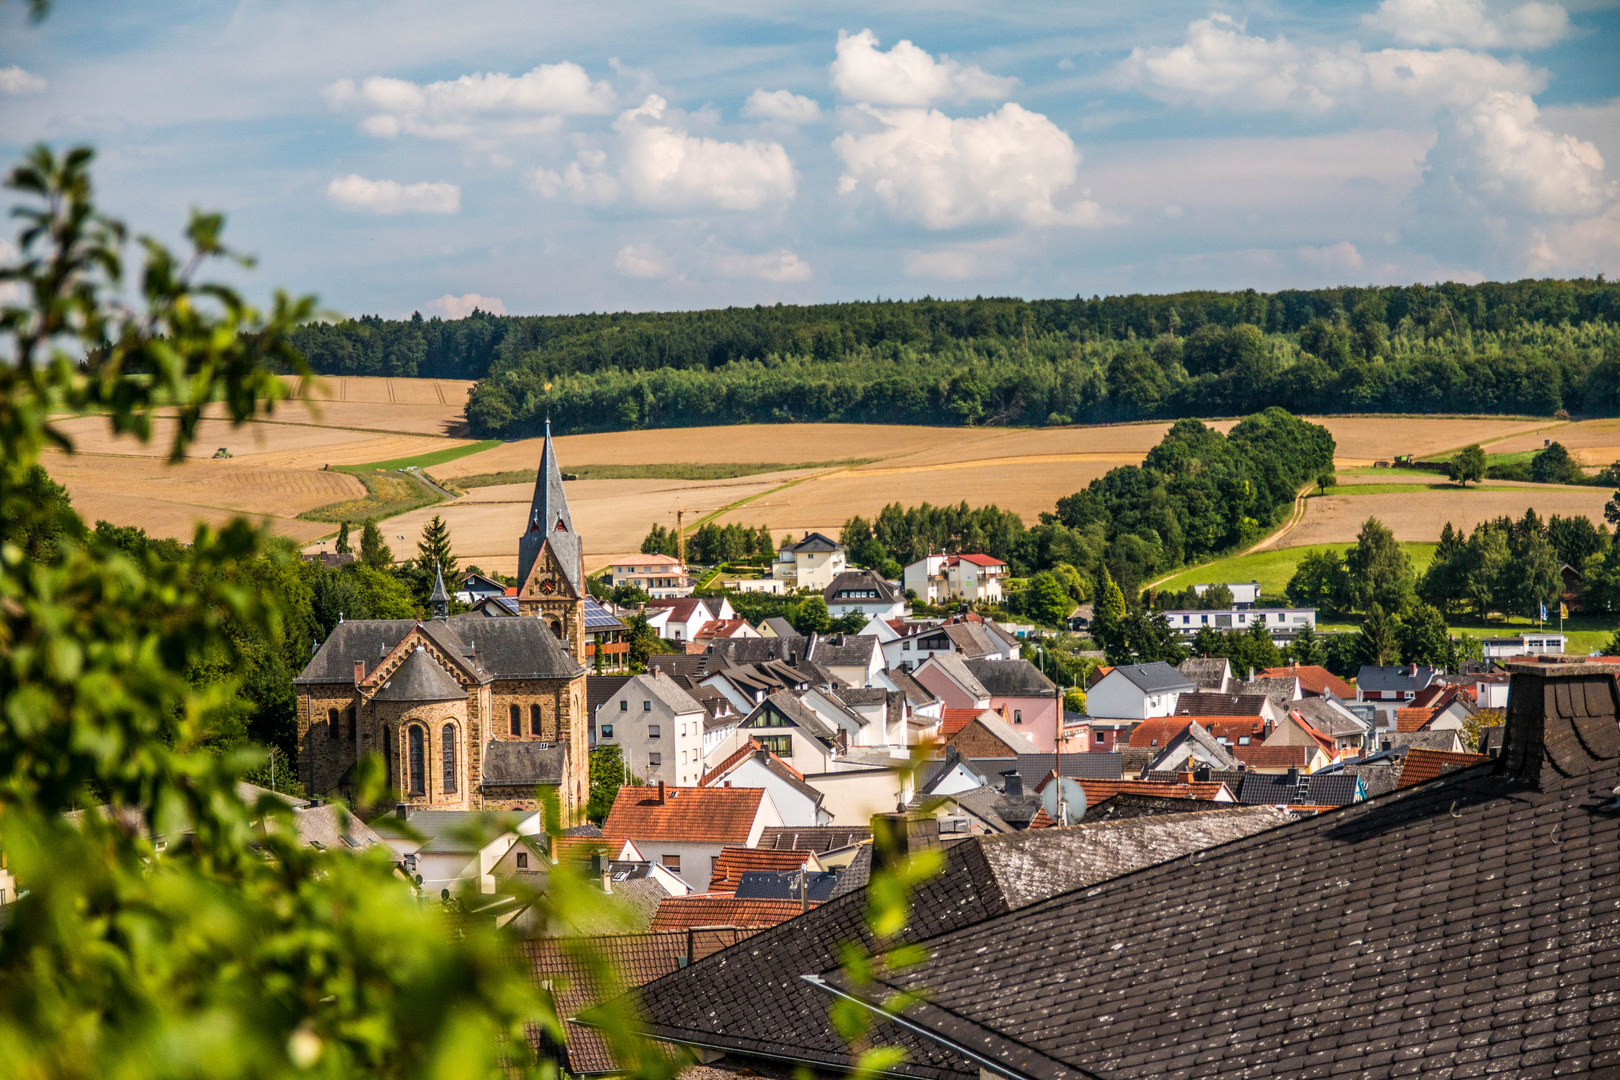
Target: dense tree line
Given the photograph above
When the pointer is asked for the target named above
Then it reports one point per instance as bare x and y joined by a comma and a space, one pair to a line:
1529, 346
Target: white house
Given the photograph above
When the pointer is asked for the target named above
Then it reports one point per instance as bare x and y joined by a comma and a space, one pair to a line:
797, 802
861, 592
939, 579
680, 619
684, 829
476, 587
1138, 692
1244, 593
659, 726
1283, 623
1526, 644
812, 563
453, 846
659, 576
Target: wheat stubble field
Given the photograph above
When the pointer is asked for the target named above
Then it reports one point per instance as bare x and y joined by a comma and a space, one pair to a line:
275, 471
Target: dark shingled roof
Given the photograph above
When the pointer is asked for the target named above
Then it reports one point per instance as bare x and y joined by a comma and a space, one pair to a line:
1011, 678
1154, 677
508, 648
549, 520
1033, 768
523, 763
600, 688
1463, 926
816, 838
420, 678
750, 999
1319, 789
860, 581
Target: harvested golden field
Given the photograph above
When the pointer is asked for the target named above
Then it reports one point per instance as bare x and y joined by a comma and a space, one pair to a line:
1420, 515
1592, 442
1362, 440
168, 500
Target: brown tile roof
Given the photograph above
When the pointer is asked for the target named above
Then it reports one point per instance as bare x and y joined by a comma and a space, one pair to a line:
1207, 703
689, 815
1313, 679
685, 912
1273, 757
1098, 790
1413, 719
733, 862
1421, 766
721, 628
954, 720
816, 838
1231, 728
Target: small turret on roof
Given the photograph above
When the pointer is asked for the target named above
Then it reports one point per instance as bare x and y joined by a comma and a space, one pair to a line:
440, 597
549, 519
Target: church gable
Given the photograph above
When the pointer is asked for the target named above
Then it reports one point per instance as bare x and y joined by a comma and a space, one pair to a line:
549, 578
455, 666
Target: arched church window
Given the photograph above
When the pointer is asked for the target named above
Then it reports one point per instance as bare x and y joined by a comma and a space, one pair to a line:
332, 723
556, 628
534, 719
449, 735
517, 720
418, 764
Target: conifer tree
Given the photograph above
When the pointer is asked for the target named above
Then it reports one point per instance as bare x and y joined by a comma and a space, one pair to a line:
374, 550
343, 539
434, 549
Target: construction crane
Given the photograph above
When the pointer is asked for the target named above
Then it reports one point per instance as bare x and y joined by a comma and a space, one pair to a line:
680, 524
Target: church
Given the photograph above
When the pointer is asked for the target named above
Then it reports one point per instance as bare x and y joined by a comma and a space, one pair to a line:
469, 712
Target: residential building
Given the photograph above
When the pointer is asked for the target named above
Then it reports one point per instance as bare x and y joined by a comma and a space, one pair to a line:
734, 862
988, 735
1536, 643
1283, 623
686, 914
797, 803
1314, 680
1213, 674
1276, 759
1138, 691
1295, 788
947, 676
969, 635
1192, 748
476, 587
969, 579
659, 576
1388, 688
467, 712
684, 829
1245, 594
1096, 734
769, 586
448, 847
1028, 698
1203, 703
721, 630
680, 619
811, 563
607, 636
659, 727
863, 593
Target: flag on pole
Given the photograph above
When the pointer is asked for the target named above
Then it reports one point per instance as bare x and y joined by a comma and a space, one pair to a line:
1543, 611
1563, 611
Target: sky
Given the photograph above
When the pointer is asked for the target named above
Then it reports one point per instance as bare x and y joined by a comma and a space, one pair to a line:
537, 158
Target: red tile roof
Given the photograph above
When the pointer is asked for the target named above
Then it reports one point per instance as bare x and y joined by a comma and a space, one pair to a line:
1413, 719
1274, 757
1313, 679
980, 560
685, 912
721, 628
954, 720
1421, 766
733, 861
689, 815
1328, 744
1231, 728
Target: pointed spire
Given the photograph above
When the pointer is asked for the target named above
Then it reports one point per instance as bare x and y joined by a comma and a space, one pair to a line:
440, 599
549, 519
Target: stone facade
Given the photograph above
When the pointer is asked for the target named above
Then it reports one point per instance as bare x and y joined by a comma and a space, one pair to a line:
548, 594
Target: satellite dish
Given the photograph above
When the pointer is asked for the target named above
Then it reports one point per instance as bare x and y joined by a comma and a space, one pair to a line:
1073, 801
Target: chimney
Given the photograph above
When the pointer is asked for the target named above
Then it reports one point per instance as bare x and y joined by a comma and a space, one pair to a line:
359, 672
1201, 774
1012, 784
663, 796
1184, 777
1293, 775
897, 836
1560, 722
401, 811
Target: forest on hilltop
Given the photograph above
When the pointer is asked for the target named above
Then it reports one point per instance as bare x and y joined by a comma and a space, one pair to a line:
1515, 347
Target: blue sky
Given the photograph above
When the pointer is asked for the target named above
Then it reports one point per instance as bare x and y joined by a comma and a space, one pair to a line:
546, 158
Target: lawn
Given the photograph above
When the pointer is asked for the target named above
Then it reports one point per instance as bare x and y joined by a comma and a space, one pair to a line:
1272, 569
422, 461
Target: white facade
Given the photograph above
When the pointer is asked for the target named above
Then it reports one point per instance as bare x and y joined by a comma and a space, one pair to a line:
661, 740
1283, 623
811, 563
937, 579
770, 586
1526, 644
659, 576
795, 806
1117, 698
1243, 592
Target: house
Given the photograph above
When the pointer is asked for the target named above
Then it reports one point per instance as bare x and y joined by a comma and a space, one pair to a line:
1538, 643
476, 587
778, 627
734, 862
943, 579
971, 637
1245, 594
1282, 623
947, 677
811, 563
466, 712
795, 734
753, 1004
1211, 674
1471, 842
685, 914
1192, 748
834, 845
444, 848
1314, 680
659, 727
1203, 703
605, 636
1095, 734
1186, 787
1488, 689
659, 576
854, 658
1138, 691
1259, 757
681, 619
797, 803
721, 630
863, 593
684, 829
1018, 690
1296, 729
1332, 717
1388, 688
989, 735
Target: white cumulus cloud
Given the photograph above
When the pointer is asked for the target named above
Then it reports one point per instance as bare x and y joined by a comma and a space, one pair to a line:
1340, 256
782, 105
1012, 165
453, 108
1467, 22
355, 192
459, 307
907, 75
658, 164
1520, 161
642, 261
778, 265
14, 80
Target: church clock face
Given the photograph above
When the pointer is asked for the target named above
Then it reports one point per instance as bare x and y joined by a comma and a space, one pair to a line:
548, 586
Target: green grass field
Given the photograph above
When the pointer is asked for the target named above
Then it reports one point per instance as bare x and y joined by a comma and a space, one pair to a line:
422, 461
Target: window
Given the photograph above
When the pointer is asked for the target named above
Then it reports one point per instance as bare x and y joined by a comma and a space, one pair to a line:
653, 731
517, 720
449, 737
607, 731
418, 754
655, 760
905, 646
646, 706
534, 719
1018, 716
332, 723
523, 860
388, 755
624, 705
1100, 736
672, 863
780, 745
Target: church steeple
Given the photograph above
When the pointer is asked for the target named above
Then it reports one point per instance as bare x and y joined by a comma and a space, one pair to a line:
549, 519
440, 600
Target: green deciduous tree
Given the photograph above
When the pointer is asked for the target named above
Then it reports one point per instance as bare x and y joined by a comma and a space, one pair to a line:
1378, 570
1320, 581
1424, 638
374, 550
1467, 465
607, 776
1554, 465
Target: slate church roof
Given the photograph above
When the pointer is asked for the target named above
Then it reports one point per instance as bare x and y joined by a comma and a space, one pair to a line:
549, 519
1463, 926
